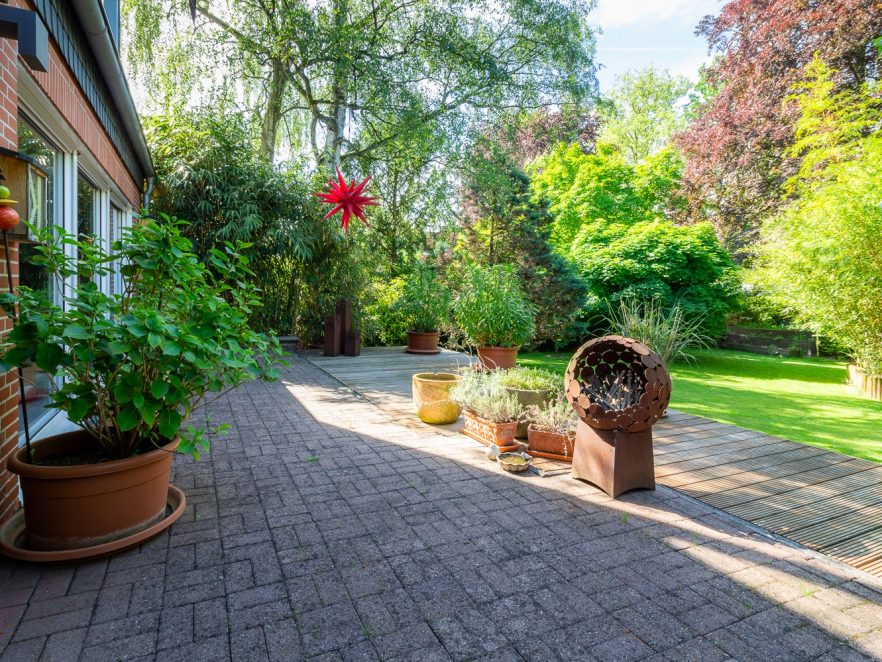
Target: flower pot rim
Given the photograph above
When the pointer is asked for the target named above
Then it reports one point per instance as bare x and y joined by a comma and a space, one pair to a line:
432, 377
487, 420
504, 347
541, 428
529, 390
424, 333
17, 465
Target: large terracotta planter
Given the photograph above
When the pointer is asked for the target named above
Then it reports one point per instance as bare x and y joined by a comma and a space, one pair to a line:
70, 507
422, 343
527, 398
488, 432
553, 445
498, 357
431, 397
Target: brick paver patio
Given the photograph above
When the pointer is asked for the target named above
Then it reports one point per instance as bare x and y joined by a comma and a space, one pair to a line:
320, 529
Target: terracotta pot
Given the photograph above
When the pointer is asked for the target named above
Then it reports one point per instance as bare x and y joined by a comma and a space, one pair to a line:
527, 398
84, 505
498, 357
431, 397
488, 432
422, 343
544, 443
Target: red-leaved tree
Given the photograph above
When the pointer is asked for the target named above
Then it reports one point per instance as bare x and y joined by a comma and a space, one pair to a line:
735, 165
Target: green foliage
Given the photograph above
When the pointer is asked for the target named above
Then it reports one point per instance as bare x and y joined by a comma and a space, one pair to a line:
384, 323
601, 192
482, 393
506, 225
425, 301
491, 308
819, 258
668, 331
135, 366
531, 379
643, 112
682, 265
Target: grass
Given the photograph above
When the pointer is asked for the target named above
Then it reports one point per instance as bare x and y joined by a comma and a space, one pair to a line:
805, 400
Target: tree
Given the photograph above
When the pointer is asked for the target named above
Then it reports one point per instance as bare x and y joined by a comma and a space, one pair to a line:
642, 112
601, 191
352, 76
735, 162
506, 225
820, 257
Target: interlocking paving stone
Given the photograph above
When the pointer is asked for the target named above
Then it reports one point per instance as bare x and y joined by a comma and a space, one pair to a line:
319, 529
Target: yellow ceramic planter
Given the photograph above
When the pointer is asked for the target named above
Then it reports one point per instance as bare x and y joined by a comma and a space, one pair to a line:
431, 397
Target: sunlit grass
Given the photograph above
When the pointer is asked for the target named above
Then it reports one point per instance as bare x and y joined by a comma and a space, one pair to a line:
806, 400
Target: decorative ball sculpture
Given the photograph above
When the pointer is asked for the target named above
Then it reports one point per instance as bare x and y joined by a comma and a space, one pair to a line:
8, 218
619, 388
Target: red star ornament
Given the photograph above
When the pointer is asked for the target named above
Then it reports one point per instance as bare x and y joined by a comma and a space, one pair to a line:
347, 198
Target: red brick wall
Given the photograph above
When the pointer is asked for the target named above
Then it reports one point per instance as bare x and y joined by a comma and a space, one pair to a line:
8, 382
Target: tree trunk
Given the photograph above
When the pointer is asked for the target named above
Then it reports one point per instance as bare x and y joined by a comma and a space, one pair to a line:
272, 114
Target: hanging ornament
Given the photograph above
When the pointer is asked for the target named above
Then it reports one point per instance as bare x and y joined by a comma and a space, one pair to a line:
348, 199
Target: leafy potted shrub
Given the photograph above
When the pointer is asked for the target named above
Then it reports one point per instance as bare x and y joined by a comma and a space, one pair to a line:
490, 412
532, 387
425, 306
494, 314
133, 367
552, 429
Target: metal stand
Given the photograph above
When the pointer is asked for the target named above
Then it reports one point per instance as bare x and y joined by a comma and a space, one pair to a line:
614, 460
21, 383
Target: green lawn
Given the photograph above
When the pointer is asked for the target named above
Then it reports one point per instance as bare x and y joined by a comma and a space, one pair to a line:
805, 400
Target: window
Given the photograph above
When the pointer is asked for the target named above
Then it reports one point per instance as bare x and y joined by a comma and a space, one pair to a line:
43, 188
87, 208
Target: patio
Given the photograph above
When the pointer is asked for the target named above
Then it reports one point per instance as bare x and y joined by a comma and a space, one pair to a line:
321, 529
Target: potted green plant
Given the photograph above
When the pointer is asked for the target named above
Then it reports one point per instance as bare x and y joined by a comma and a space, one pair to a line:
490, 413
425, 306
532, 387
552, 429
132, 367
494, 314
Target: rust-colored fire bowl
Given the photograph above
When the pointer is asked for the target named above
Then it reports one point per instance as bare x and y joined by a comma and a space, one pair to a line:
619, 388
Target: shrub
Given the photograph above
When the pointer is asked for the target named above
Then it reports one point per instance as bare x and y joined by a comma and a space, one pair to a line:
383, 322
134, 366
424, 304
666, 331
557, 415
491, 308
482, 393
658, 261
531, 379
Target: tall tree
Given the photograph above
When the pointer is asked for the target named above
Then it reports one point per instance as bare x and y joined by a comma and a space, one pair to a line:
735, 148
643, 112
352, 76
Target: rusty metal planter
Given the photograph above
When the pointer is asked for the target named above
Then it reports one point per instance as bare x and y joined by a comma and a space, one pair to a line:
488, 432
613, 446
551, 445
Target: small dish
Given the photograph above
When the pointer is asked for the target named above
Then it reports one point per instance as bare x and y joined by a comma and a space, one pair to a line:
514, 462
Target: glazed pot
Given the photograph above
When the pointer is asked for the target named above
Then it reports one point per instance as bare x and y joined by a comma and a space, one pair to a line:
422, 343
488, 432
498, 357
527, 398
544, 443
69, 507
431, 397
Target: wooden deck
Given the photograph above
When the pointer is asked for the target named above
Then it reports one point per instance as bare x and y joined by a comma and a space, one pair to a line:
823, 500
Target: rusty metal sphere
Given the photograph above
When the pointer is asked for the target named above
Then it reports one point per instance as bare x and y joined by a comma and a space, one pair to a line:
632, 375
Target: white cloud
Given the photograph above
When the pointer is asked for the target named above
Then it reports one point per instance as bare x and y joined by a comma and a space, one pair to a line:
624, 13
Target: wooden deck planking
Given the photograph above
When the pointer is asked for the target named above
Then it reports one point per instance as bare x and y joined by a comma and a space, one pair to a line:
823, 500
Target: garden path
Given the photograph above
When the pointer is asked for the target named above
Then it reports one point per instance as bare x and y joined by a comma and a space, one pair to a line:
320, 529
823, 500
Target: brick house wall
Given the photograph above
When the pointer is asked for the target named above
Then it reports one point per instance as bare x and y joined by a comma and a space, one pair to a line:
61, 88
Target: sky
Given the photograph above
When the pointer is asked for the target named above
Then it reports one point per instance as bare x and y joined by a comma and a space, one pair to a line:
636, 33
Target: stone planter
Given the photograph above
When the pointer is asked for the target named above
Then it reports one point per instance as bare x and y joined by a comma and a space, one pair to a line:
869, 385
90, 505
488, 432
431, 397
498, 357
553, 445
422, 343
527, 398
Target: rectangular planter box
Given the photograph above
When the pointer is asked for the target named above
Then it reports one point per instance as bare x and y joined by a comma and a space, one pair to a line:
552, 445
488, 432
